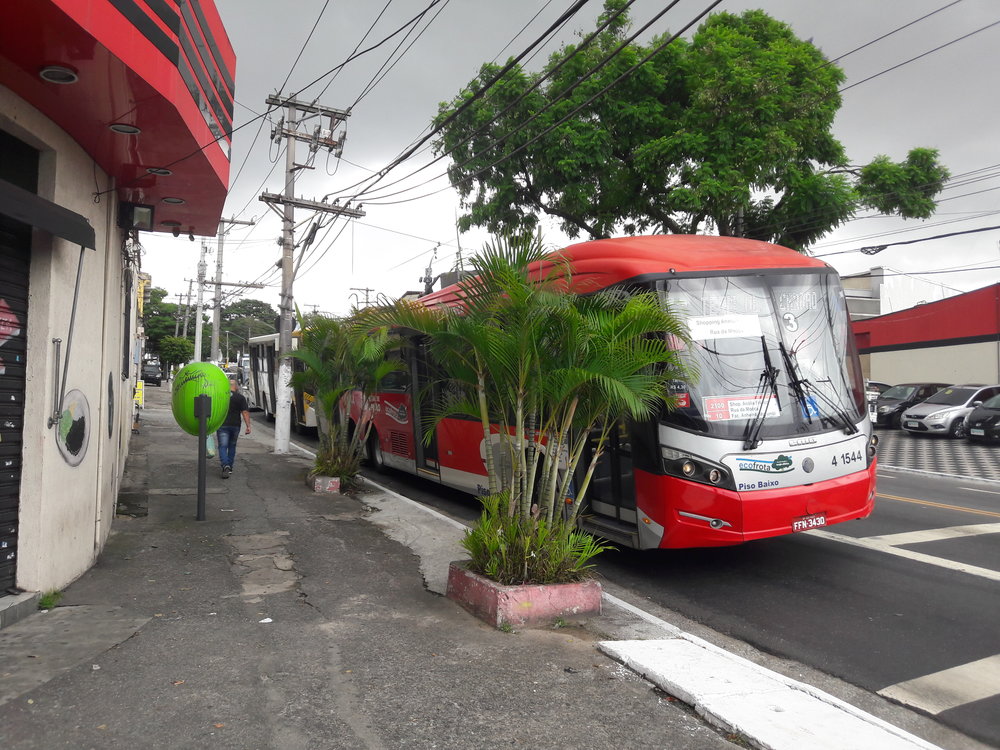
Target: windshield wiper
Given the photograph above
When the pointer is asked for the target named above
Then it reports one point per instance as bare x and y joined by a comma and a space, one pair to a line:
768, 376
806, 389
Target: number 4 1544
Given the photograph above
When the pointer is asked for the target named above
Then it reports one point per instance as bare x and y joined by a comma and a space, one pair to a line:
848, 458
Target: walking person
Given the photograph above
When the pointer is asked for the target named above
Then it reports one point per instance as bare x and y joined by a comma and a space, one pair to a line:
227, 435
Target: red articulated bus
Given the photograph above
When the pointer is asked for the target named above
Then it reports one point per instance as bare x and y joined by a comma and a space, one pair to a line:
773, 436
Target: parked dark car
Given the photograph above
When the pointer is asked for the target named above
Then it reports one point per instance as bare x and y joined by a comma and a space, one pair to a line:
151, 374
892, 403
944, 413
984, 421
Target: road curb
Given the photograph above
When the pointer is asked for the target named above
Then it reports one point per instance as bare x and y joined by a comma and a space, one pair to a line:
924, 472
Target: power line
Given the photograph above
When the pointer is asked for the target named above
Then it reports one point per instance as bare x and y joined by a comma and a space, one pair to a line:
260, 127
522, 125
356, 47
925, 273
379, 74
887, 35
918, 57
569, 13
883, 246
518, 34
380, 175
499, 141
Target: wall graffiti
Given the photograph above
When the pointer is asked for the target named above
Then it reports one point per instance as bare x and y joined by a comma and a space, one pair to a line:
10, 327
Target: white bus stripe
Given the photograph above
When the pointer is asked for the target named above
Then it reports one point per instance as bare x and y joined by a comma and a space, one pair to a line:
935, 535
949, 688
940, 562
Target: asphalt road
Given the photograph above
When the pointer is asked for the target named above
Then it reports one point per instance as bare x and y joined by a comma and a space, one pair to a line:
915, 617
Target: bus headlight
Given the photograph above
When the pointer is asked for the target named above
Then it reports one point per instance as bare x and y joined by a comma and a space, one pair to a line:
695, 468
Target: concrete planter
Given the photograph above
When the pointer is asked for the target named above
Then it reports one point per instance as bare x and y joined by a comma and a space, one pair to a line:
320, 483
530, 604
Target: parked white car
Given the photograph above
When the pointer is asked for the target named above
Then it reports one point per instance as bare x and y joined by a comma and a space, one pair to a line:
944, 413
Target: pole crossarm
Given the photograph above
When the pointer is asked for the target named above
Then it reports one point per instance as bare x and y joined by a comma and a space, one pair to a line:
316, 140
308, 108
279, 199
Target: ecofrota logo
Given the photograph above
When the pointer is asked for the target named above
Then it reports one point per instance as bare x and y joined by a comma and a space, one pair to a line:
780, 465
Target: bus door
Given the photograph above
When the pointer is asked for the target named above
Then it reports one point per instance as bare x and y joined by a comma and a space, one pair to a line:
612, 488
426, 394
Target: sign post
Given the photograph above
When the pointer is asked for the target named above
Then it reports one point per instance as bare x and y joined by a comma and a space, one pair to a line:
202, 411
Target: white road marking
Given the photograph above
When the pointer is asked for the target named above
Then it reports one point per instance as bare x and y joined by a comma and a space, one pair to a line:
881, 475
949, 688
976, 489
935, 535
992, 575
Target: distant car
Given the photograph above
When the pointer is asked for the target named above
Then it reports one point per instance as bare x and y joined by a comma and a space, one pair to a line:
875, 387
151, 374
944, 412
983, 422
892, 403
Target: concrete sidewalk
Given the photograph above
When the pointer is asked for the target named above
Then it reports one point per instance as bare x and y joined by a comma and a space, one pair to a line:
292, 620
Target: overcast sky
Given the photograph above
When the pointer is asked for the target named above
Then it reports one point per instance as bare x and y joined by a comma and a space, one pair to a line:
947, 100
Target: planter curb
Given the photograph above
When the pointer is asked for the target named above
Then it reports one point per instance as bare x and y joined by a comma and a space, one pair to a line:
528, 604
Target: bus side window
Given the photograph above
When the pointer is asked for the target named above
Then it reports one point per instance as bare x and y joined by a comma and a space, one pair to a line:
397, 382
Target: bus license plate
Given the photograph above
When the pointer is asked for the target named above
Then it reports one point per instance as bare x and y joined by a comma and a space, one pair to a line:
809, 522
979, 433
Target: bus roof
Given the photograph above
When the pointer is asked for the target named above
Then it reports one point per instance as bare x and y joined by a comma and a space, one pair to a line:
602, 263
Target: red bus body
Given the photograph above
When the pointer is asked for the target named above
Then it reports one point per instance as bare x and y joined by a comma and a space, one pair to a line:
816, 471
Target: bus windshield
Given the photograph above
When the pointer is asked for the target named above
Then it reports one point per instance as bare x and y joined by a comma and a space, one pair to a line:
773, 353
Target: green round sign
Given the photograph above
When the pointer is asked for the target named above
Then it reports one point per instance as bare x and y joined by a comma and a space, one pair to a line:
200, 379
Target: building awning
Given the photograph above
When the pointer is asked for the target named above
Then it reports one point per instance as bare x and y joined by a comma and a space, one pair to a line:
24, 206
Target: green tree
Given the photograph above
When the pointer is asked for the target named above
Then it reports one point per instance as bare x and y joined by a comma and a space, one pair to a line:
543, 370
159, 319
340, 356
730, 131
175, 350
250, 308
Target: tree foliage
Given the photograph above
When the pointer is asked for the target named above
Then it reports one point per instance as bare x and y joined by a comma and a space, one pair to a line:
175, 350
242, 319
159, 319
340, 356
264, 313
730, 131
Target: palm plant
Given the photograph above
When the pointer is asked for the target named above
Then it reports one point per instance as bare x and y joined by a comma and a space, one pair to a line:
544, 370
340, 356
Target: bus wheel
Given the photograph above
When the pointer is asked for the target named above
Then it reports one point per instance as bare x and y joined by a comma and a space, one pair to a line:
373, 453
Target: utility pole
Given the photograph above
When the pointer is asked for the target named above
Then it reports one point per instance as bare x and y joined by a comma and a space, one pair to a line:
202, 267
321, 137
187, 309
217, 310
